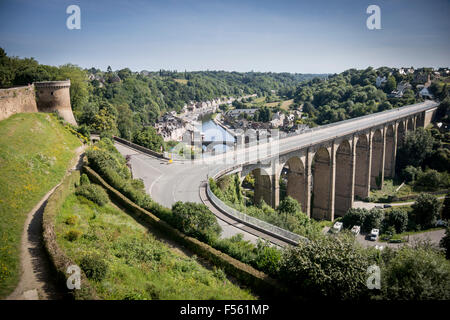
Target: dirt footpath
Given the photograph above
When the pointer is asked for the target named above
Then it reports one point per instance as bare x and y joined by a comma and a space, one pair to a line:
37, 281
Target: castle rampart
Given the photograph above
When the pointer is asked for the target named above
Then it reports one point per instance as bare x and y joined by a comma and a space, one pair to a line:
17, 100
47, 96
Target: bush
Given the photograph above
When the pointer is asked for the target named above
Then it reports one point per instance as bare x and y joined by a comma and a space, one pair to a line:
267, 258
94, 267
93, 192
445, 214
445, 242
73, 234
237, 248
373, 220
219, 274
149, 138
418, 273
426, 210
396, 218
72, 220
289, 206
195, 220
430, 180
84, 179
354, 216
330, 267
410, 173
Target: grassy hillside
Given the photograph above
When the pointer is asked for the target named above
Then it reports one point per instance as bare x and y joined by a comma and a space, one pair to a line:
35, 151
134, 264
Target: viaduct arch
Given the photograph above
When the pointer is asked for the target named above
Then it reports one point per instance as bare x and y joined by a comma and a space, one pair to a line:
325, 177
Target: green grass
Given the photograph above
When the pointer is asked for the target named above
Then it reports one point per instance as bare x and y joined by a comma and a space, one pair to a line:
261, 101
35, 151
386, 194
139, 266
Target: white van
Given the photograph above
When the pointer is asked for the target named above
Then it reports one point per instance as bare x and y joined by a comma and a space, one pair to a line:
374, 235
337, 227
356, 229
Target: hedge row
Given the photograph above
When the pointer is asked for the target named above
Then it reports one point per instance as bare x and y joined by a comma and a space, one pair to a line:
260, 282
58, 258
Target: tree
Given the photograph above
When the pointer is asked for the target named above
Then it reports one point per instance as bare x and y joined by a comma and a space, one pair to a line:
373, 220
418, 145
426, 210
328, 267
430, 179
445, 242
80, 88
396, 218
148, 138
415, 273
354, 216
391, 84
386, 105
289, 206
445, 214
105, 120
410, 173
125, 123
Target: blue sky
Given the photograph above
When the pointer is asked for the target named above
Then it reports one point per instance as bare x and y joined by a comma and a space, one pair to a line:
314, 36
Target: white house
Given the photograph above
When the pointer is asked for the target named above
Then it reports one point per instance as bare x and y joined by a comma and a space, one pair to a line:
277, 119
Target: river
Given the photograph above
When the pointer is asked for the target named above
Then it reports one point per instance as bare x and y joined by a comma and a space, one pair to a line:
214, 132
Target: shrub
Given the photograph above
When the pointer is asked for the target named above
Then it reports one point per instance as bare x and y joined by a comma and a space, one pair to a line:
93, 192
329, 267
73, 234
149, 138
289, 206
94, 267
418, 273
196, 220
373, 220
410, 173
72, 220
237, 247
397, 218
267, 257
84, 179
445, 214
430, 180
354, 216
445, 242
426, 210
219, 274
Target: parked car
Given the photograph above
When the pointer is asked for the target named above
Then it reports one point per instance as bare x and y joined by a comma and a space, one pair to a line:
337, 227
441, 223
379, 207
374, 235
355, 230
387, 206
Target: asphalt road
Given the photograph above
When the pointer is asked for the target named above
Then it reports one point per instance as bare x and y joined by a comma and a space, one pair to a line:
168, 183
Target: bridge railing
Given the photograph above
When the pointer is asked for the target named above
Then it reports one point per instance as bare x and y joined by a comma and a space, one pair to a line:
275, 231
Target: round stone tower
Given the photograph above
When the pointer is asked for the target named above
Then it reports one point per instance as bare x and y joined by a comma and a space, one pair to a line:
55, 96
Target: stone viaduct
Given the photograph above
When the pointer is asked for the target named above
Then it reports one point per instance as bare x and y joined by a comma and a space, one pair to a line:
353, 157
